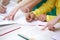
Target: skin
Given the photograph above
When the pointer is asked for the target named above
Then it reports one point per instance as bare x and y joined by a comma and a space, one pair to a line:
3, 6
24, 6
42, 17
2, 9
51, 24
32, 17
19, 1
5, 2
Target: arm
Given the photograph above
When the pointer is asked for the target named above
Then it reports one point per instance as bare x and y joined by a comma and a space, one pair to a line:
43, 10
20, 5
29, 3
32, 4
51, 23
29, 6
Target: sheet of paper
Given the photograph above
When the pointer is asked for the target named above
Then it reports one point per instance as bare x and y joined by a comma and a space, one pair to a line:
57, 36
57, 32
6, 23
34, 32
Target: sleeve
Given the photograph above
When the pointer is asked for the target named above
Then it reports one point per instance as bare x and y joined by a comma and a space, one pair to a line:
46, 7
57, 7
57, 3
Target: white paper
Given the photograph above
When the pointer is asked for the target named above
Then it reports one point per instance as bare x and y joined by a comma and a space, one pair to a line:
57, 32
6, 22
57, 36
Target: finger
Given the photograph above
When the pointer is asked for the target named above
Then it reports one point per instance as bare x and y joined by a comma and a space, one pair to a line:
35, 18
32, 15
9, 18
5, 18
45, 27
4, 6
27, 15
29, 20
52, 29
12, 17
3, 10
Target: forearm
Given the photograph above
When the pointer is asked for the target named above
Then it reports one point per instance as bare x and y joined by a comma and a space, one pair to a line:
13, 12
58, 17
55, 20
32, 4
24, 3
21, 4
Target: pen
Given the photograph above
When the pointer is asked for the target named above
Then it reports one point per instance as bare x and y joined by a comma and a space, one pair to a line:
23, 37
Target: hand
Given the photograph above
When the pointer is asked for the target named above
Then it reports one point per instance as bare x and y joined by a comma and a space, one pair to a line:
30, 17
9, 17
42, 17
50, 27
51, 23
2, 9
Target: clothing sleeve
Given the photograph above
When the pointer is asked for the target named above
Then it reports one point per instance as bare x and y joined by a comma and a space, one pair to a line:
57, 7
57, 3
46, 7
